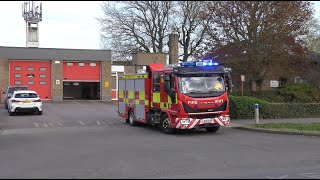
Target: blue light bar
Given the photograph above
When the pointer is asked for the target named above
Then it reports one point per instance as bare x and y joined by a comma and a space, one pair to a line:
199, 63
188, 63
206, 63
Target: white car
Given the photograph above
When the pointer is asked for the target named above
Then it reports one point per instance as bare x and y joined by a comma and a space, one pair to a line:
25, 101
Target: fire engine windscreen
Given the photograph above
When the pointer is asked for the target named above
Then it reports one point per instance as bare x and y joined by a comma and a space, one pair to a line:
208, 84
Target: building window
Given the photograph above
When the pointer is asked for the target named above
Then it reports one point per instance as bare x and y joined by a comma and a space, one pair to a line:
30, 82
30, 75
17, 82
17, 75
30, 68
43, 82
156, 82
297, 80
93, 64
17, 68
42, 75
81, 64
43, 69
69, 64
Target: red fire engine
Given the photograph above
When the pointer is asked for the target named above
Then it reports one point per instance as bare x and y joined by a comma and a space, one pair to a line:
192, 95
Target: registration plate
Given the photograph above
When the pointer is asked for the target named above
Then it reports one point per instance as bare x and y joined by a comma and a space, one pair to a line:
26, 102
207, 120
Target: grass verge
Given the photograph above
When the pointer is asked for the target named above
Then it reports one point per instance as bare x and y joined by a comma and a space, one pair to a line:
291, 127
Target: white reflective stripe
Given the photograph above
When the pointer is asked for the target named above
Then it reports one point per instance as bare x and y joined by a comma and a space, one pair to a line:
218, 120
177, 119
178, 125
194, 123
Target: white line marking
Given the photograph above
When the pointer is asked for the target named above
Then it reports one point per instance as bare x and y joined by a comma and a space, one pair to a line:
281, 177
59, 124
40, 124
51, 125
311, 175
82, 123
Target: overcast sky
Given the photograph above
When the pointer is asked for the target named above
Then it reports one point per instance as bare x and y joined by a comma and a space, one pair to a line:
65, 24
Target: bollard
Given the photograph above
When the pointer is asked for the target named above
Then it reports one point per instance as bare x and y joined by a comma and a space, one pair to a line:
257, 113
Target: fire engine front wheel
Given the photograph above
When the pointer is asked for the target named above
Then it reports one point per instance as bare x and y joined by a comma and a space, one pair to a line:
213, 129
165, 125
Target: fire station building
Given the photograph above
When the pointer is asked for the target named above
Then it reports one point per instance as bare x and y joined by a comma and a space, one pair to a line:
57, 74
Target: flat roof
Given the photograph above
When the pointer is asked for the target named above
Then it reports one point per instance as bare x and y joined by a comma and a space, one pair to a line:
24, 53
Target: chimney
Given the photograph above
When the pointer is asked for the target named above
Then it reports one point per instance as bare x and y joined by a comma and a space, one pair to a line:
173, 48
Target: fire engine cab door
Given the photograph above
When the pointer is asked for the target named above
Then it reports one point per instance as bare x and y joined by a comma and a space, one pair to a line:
159, 96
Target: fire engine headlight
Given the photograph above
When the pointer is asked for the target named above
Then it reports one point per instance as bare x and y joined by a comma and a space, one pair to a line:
185, 121
225, 118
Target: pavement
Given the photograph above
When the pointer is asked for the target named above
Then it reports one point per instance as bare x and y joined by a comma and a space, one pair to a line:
243, 125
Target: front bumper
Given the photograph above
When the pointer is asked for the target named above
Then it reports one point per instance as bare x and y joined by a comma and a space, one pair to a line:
192, 123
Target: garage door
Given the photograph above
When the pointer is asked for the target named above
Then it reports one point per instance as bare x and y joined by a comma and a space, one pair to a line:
81, 71
34, 74
81, 80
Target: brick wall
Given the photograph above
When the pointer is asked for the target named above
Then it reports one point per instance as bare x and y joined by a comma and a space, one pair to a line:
4, 77
105, 77
56, 74
149, 58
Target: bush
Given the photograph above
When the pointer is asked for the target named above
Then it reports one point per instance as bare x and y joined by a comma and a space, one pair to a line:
290, 110
270, 96
299, 93
289, 93
242, 107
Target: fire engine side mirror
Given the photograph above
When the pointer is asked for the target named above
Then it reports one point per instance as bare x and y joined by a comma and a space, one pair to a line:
167, 87
166, 77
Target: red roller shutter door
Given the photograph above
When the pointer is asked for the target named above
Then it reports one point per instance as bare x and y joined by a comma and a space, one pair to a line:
81, 71
34, 74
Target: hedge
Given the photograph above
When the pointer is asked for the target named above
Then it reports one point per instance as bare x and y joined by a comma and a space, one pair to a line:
242, 107
291, 110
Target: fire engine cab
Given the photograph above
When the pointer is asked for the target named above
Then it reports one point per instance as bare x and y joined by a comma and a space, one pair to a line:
190, 95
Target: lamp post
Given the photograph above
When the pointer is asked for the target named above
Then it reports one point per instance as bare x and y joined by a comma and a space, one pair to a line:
242, 80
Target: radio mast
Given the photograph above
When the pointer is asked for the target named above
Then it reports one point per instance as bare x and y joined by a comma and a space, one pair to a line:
32, 14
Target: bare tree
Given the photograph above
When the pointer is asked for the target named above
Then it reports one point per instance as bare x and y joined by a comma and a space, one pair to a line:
129, 26
192, 20
256, 36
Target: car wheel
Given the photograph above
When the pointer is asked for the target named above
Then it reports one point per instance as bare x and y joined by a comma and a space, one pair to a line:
11, 113
213, 129
39, 113
165, 125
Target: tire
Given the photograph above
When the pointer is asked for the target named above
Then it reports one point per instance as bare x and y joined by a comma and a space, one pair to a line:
131, 119
39, 112
11, 113
213, 129
165, 125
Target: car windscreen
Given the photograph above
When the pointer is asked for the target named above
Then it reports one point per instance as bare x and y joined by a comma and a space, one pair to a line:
26, 95
12, 89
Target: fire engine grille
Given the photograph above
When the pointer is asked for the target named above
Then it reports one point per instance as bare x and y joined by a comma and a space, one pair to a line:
188, 109
202, 116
